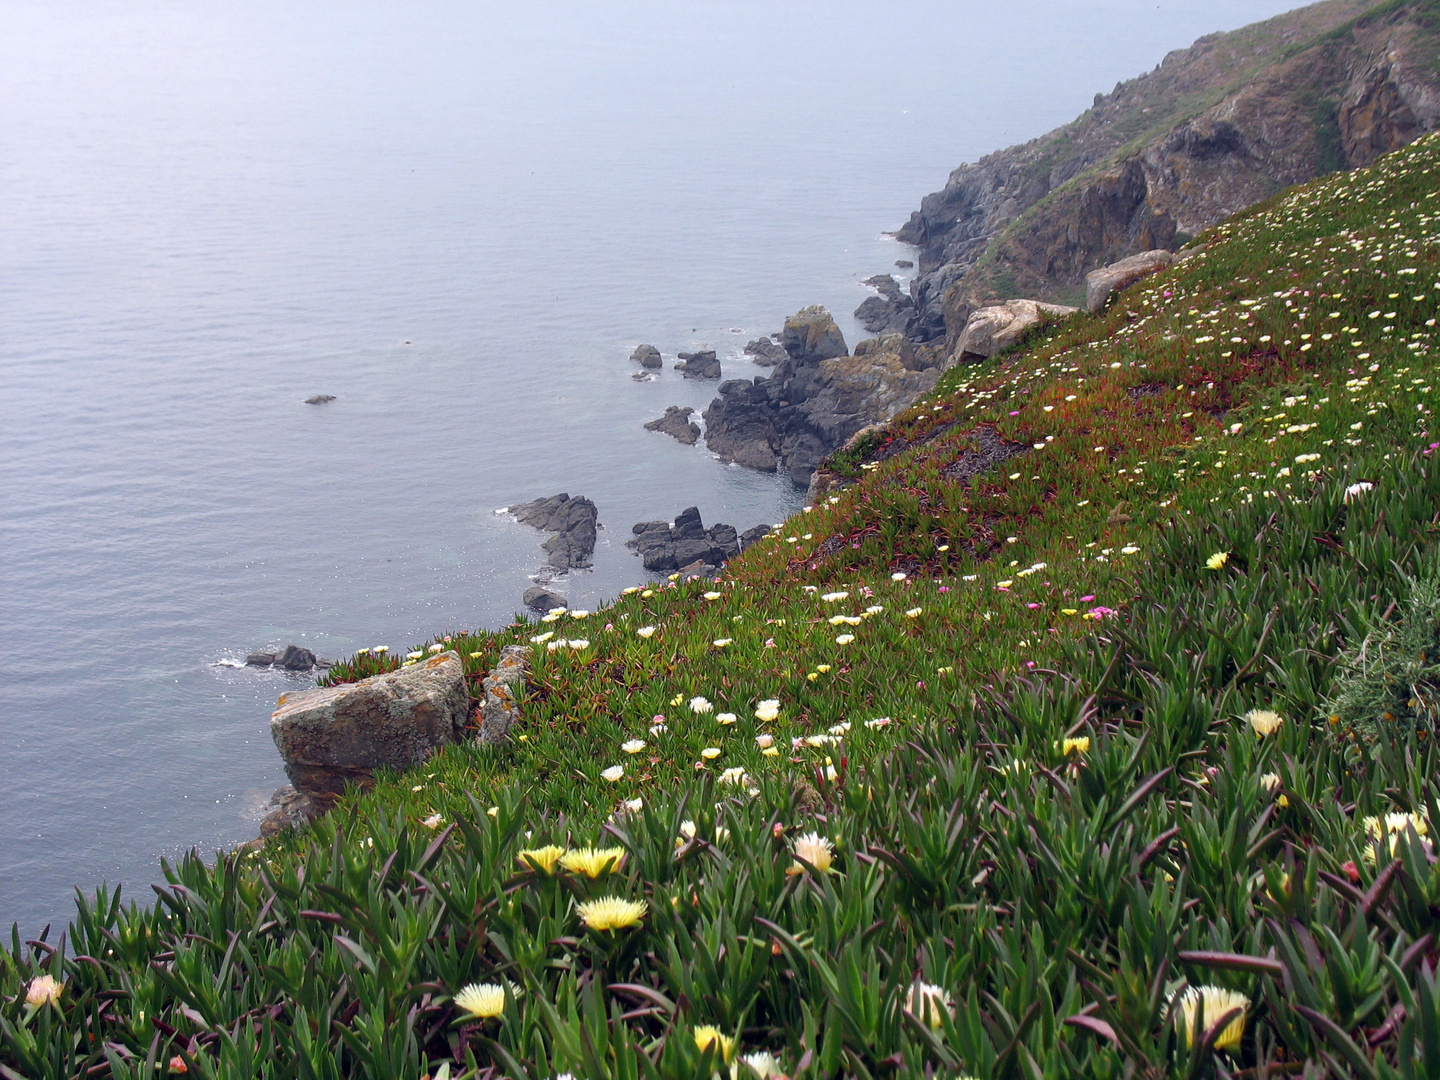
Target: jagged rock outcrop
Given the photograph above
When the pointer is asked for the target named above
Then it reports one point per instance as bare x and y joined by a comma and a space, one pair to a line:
1101, 283
765, 352
340, 735
572, 520
1212, 130
991, 330
647, 356
677, 423
699, 365
892, 311
665, 546
810, 406
811, 334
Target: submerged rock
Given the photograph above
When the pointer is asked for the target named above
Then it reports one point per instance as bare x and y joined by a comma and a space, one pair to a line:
320, 399
336, 736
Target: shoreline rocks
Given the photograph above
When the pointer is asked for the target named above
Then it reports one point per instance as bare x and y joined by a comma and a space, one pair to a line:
572, 520
890, 312
811, 335
765, 352
666, 546
291, 658
335, 736
538, 598
677, 423
647, 356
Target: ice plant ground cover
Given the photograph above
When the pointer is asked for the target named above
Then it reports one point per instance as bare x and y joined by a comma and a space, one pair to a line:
1076, 781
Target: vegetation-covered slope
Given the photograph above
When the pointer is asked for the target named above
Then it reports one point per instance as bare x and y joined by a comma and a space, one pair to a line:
1090, 733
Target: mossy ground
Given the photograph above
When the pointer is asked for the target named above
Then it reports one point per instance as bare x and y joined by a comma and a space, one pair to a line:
930, 638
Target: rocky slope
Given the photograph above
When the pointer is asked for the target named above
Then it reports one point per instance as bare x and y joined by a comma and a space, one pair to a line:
1210, 131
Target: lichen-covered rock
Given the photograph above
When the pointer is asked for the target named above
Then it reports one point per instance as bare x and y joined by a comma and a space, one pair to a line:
503, 688
340, 735
1101, 283
810, 335
991, 330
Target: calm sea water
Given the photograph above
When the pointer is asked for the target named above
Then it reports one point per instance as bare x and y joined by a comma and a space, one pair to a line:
459, 218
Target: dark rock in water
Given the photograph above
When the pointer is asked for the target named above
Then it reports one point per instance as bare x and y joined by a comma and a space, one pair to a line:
811, 335
294, 658
542, 600
647, 356
287, 809
319, 399
676, 422
765, 352
665, 546
699, 365
904, 264
890, 312
260, 659
572, 521
809, 407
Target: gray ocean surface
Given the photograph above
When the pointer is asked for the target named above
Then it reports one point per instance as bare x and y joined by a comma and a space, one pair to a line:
458, 218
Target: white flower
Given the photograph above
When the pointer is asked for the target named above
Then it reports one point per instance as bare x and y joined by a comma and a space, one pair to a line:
579, 614
433, 821
899, 575
734, 775
413, 655
925, 1001
1263, 721
482, 1000
874, 609
768, 709
726, 717
831, 597
614, 773
1354, 491
634, 805
579, 643
764, 1065
645, 631
436, 647
816, 850
764, 742
842, 728
540, 639
844, 639
721, 642
701, 705
713, 595
878, 722
633, 746
710, 753
914, 613
1211, 1003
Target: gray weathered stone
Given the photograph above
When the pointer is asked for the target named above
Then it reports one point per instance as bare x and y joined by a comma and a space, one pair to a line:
810, 335
1099, 284
503, 687
991, 330
287, 809
699, 365
340, 735
677, 423
541, 599
647, 356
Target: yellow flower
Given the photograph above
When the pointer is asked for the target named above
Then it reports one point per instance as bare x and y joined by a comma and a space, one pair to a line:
815, 850
592, 862
482, 1000
1217, 561
925, 1000
914, 613
707, 1036
1264, 722
43, 990
544, 858
1211, 1003
710, 753
1078, 745
611, 913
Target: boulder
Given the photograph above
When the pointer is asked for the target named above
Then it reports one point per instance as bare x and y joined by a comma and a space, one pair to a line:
810, 335
572, 520
765, 352
699, 365
889, 312
646, 356
749, 536
502, 691
287, 809
904, 264
913, 359
676, 422
1101, 283
339, 735
991, 330
320, 399
540, 599
260, 659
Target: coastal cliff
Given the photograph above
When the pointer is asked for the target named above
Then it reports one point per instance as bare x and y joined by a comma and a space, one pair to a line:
1211, 130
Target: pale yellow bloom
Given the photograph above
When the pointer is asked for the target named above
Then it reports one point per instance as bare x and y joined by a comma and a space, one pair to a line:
926, 1000
701, 705
633, 746
43, 990
1264, 722
645, 631
482, 1000
764, 741
543, 857
914, 613
611, 913
1270, 781
816, 850
768, 709
613, 773
763, 1064
710, 753
726, 718
592, 862
1078, 745
1211, 1003
707, 1036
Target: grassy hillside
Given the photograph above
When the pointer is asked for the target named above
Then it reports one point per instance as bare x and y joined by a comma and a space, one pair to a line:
1090, 733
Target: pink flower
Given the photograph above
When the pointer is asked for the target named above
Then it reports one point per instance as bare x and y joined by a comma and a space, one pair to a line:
1015, 413
944, 588
769, 643
1101, 612
1086, 599
1032, 606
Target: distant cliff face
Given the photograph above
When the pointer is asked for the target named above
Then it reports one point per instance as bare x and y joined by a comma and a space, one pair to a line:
1213, 129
